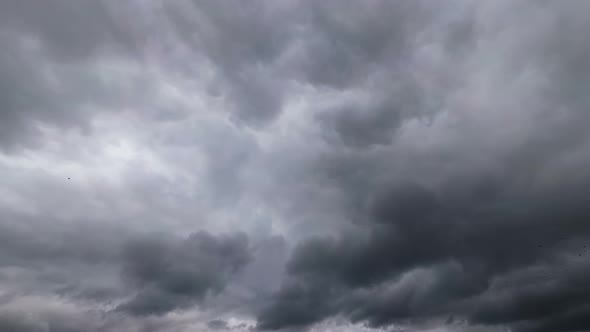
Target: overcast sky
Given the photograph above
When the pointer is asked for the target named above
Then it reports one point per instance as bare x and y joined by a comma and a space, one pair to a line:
334, 165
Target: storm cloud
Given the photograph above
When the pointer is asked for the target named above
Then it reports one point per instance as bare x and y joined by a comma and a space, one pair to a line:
170, 274
294, 165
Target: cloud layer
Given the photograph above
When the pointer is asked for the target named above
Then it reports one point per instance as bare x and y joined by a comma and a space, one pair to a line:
294, 165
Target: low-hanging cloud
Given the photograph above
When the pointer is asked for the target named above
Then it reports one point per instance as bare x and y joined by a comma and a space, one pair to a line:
175, 275
294, 165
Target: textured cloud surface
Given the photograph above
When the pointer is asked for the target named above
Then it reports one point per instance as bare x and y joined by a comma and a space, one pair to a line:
292, 165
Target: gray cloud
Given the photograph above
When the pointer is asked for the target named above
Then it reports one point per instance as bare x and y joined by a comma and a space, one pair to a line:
414, 229
484, 220
105, 267
92, 28
46, 76
373, 165
218, 324
174, 275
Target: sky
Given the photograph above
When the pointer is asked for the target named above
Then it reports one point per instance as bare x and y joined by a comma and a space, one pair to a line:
313, 166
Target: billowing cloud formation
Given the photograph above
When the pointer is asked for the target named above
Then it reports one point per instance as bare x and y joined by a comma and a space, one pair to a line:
296, 165
170, 275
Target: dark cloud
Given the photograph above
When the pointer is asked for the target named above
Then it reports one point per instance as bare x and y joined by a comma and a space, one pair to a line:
451, 223
17, 325
411, 228
298, 304
258, 54
264, 50
175, 275
67, 30
82, 264
57, 245
47, 75
348, 42
362, 126
218, 324
37, 92
393, 164
241, 42
572, 320
51, 318
542, 298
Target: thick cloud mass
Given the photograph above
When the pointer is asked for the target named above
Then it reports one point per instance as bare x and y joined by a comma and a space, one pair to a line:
294, 165
169, 275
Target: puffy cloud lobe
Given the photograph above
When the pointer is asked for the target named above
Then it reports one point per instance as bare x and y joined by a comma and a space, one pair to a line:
218, 324
413, 228
68, 286
241, 43
541, 298
168, 276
